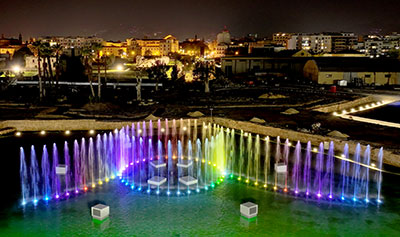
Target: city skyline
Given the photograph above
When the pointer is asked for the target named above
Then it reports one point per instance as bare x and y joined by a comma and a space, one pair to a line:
186, 19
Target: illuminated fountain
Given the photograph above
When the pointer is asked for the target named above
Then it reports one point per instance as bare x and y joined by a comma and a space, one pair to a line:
312, 173
176, 165
178, 160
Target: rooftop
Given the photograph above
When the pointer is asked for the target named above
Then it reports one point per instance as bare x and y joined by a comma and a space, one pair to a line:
357, 64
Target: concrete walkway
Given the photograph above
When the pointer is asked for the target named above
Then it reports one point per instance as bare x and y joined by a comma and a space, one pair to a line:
348, 114
368, 120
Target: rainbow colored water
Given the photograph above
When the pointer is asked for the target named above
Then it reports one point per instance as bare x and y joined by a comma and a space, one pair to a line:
212, 151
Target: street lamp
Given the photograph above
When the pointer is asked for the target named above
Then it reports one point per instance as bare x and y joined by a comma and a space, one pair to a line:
120, 68
16, 69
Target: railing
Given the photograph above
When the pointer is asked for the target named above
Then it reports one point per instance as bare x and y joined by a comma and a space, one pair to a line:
70, 83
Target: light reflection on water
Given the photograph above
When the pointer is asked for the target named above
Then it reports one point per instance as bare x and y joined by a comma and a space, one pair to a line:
212, 213
208, 213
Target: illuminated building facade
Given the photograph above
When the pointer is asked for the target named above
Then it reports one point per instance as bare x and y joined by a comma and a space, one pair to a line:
224, 37
72, 42
72, 45
281, 38
31, 62
118, 49
318, 43
194, 47
343, 41
364, 71
376, 45
8, 46
154, 47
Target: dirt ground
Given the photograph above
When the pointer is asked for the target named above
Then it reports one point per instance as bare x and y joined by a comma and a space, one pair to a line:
238, 103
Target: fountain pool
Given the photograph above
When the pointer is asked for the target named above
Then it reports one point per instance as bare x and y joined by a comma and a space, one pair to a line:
215, 210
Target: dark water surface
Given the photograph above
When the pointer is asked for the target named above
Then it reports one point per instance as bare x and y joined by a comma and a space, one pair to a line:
389, 113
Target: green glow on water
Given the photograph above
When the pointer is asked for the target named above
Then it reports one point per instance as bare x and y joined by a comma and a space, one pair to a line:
217, 214
146, 215
250, 219
99, 221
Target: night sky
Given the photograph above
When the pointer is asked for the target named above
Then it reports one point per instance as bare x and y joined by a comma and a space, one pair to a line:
119, 19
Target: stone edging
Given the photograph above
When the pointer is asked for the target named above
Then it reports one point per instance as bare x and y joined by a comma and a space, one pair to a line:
339, 106
87, 124
389, 157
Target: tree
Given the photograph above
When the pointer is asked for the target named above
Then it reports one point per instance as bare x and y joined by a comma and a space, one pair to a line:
86, 53
203, 71
174, 73
47, 51
394, 53
36, 46
158, 72
106, 61
148, 53
57, 49
120, 52
138, 89
96, 48
138, 74
44, 53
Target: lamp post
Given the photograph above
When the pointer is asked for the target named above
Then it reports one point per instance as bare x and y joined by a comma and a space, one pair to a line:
16, 69
17, 72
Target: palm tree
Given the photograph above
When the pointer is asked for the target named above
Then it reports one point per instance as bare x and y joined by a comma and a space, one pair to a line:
138, 72
203, 71
138, 88
57, 49
36, 46
47, 52
86, 53
106, 61
96, 48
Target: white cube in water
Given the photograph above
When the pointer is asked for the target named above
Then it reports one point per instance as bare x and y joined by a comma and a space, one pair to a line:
61, 169
100, 212
157, 180
188, 180
184, 163
249, 209
280, 167
156, 164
